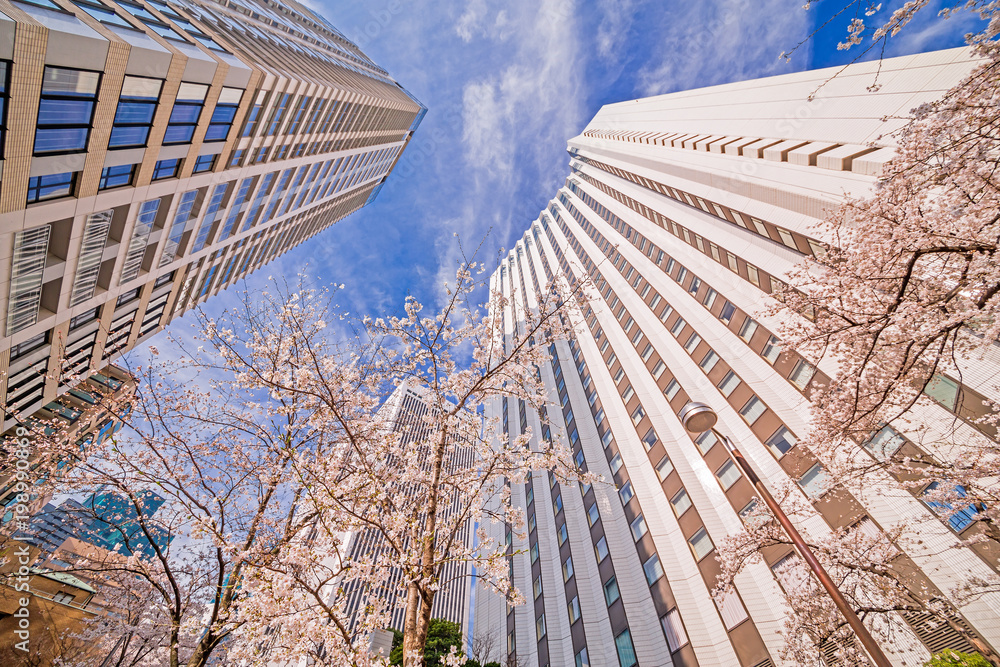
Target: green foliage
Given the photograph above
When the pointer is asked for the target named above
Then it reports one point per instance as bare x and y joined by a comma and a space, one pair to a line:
441, 636
949, 658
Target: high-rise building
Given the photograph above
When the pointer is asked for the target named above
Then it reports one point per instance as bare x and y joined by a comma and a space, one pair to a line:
86, 415
687, 210
152, 153
107, 520
405, 409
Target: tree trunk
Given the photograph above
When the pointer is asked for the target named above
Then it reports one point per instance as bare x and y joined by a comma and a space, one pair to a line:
420, 596
413, 653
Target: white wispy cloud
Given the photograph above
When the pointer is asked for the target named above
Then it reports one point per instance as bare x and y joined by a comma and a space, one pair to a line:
612, 32
731, 40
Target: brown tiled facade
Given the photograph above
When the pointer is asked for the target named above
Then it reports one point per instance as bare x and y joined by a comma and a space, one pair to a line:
154, 153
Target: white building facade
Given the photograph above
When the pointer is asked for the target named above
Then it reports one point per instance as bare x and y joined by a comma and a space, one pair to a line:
687, 210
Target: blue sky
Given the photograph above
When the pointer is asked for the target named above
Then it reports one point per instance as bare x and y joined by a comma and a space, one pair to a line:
507, 83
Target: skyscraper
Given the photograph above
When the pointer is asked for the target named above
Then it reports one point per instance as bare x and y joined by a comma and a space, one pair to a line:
153, 153
86, 415
406, 408
107, 520
687, 211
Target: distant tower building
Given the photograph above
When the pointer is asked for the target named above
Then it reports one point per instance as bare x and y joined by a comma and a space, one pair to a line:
107, 520
152, 153
86, 415
406, 408
687, 211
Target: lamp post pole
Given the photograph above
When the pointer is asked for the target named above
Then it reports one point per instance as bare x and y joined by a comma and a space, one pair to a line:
698, 418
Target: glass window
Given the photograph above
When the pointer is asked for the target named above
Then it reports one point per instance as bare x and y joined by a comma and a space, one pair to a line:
814, 481
65, 110
671, 390
536, 587
540, 627
701, 544
51, 186
611, 593
204, 163
638, 414
709, 299
959, 519
84, 318
562, 534
115, 177
573, 606
771, 349
728, 474
727, 312
534, 553
653, 569
673, 628
166, 169
680, 502
781, 442
729, 384
802, 373
601, 549
30, 345
625, 493
210, 216
277, 114
664, 467
753, 409
236, 160
695, 285
678, 327
627, 394
706, 441
557, 504
626, 652
567, 568
658, 369
692, 343
616, 462
944, 390
709, 361
140, 236
650, 439
885, 443
638, 527
748, 509
593, 514
748, 328
185, 114
582, 659
531, 523
223, 115
88, 267
136, 108
182, 215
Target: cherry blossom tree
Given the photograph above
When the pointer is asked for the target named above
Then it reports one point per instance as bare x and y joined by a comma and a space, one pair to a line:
270, 444
900, 309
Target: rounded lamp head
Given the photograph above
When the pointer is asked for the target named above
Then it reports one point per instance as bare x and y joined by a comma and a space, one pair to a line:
698, 417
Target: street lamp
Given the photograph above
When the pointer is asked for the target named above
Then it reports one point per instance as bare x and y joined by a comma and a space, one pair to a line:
698, 418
